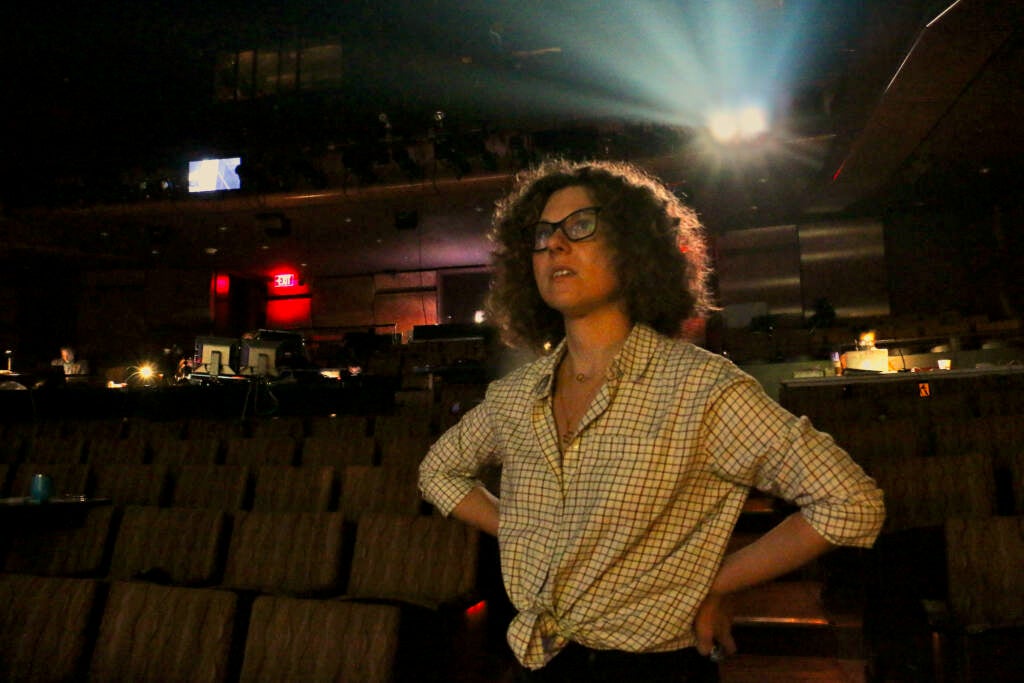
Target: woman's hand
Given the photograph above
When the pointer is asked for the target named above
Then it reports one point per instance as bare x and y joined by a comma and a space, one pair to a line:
713, 627
791, 544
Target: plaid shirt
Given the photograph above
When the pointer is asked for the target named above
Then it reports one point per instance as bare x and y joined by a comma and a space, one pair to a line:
615, 542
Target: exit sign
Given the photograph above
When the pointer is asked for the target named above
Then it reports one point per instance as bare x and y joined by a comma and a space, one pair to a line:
285, 280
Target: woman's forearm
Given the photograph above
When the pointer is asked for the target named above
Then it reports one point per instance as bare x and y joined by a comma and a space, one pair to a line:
479, 509
791, 544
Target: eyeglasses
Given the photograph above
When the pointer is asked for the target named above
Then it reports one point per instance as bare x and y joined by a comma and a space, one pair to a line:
578, 225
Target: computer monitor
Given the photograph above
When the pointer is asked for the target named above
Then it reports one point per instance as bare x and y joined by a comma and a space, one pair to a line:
258, 357
210, 175
216, 356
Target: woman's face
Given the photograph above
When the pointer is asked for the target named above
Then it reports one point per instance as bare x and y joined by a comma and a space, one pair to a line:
575, 278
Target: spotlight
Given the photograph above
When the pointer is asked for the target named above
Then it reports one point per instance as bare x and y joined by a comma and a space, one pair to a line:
753, 122
730, 126
144, 374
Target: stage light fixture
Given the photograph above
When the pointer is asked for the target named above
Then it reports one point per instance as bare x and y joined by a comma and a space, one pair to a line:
737, 125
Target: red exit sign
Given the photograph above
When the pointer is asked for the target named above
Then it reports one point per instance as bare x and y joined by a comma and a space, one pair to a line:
285, 280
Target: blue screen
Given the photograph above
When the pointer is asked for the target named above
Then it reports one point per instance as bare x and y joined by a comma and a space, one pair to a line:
208, 175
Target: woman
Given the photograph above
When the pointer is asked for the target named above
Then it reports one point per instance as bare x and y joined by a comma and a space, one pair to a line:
626, 453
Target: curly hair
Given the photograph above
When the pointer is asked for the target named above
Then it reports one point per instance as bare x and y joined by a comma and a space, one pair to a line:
657, 242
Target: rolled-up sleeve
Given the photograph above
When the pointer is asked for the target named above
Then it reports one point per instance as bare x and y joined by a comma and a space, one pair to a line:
450, 470
755, 440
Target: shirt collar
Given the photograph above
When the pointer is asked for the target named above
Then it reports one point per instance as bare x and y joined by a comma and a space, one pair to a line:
631, 361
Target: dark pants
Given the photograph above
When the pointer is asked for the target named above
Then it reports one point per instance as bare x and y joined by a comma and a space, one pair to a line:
578, 664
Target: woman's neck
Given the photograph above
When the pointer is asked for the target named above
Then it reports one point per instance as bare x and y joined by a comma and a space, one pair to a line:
593, 341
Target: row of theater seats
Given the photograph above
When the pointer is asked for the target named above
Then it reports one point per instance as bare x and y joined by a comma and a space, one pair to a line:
424, 559
413, 411
945, 602
285, 604
265, 549
353, 489
940, 599
199, 427
867, 403
392, 447
417, 418
998, 435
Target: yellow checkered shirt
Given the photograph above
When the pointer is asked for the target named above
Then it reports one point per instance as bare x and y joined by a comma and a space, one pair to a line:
615, 542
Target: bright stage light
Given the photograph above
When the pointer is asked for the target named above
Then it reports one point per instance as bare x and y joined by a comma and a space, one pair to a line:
723, 126
730, 126
753, 122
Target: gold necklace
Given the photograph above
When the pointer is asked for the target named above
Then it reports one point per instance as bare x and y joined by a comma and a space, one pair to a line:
569, 418
568, 434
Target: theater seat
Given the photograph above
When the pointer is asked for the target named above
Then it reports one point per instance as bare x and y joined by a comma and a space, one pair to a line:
181, 452
294, 427
67, 543
264, 450
173, 545
427, 566
379, 489
131, 484
294, 489
422, 560
44, 627
925, 491
164, 633
55, 449
298, 554
338, 452
337, 426
906, 568
219, 487
355, 643
985, 565
109, 451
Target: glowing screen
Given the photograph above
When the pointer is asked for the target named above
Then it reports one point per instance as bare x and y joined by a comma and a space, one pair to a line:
207, 175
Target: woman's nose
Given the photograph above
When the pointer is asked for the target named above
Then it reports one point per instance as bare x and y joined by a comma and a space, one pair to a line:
558, 241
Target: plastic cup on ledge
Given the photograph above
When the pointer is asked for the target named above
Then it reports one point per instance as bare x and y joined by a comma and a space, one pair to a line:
41, 489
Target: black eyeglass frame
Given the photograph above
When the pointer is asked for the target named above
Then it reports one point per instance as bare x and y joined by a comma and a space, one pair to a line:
532, 230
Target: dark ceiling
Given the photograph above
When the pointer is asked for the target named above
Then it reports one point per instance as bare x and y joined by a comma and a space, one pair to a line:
874, 103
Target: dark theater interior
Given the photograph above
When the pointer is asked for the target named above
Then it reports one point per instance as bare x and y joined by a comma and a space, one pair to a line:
244, 274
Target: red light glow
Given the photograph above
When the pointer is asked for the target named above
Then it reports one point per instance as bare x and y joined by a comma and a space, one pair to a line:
221, 285
289, 313
476, 609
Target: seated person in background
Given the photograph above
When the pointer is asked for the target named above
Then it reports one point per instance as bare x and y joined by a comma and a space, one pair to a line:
71, 365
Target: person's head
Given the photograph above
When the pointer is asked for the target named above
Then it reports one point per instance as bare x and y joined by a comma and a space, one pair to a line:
656, 247
67, 354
